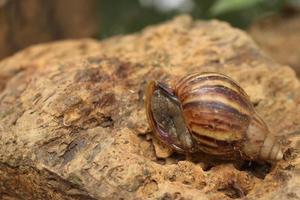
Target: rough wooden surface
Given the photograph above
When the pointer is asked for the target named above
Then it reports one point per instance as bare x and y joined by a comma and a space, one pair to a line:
23, 23
73, 124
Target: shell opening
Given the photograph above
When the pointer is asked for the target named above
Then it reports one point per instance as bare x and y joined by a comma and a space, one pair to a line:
166, 119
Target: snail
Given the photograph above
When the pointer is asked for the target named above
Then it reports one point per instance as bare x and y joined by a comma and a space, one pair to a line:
209, 113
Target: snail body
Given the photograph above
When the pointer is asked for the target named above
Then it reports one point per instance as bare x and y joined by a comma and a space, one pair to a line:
211, 113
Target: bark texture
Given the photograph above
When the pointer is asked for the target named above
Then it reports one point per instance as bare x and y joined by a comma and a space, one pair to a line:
73, 124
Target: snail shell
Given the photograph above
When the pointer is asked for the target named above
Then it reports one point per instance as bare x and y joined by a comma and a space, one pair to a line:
211, 113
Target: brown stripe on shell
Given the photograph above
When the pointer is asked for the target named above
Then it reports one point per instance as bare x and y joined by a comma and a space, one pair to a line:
186, 83
215, 151
219, 135
262, 125
218, 152
215, 119
200, 140
194, 78
227, 145
215, 147
210, 110
215, 107
259, 122
221, 91
221, 118
191, 77
200, 84
185, 79
212, 122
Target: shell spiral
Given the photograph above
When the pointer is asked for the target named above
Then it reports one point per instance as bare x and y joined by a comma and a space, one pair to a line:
209, 112
218, 113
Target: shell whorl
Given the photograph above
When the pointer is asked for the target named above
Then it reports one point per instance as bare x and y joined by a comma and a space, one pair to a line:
218, 112
260, 143
209, 112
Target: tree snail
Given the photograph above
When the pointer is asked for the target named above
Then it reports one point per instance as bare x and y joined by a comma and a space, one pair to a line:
210, 113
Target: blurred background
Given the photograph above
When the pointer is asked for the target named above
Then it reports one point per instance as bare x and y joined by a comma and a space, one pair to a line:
274, 24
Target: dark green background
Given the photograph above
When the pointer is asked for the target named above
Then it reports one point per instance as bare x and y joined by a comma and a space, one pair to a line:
126, 16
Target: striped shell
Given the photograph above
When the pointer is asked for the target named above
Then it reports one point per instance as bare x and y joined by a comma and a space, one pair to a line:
209, 112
